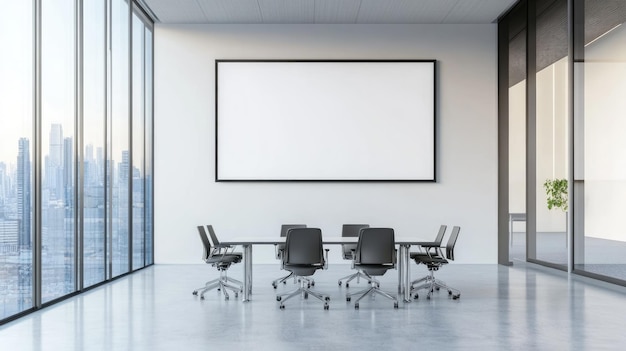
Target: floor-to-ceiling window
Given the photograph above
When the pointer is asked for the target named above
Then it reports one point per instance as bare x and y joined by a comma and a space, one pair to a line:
149, 132
94, 146
74, 148
58, 115
16, 156
138, 156
119, 172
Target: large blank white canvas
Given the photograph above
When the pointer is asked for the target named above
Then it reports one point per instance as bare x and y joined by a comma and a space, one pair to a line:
325, 120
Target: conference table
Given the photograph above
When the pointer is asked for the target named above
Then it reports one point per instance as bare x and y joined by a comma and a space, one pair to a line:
404, 244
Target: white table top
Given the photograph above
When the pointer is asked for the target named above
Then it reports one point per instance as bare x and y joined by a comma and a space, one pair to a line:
330, 240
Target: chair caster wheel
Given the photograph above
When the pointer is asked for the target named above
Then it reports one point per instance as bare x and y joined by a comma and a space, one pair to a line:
278, 298
449, 292
348, 298
427, 297
282, 307
437, 288
313, 283
236, 294
347, 285
327, 298
416, 297
395, 305
326, 306
274, 285
195, 293
455, 297
306, 295
356, 306
340, 283
201, 297
285, 283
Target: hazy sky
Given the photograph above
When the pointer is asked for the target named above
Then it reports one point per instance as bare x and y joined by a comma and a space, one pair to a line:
16, 72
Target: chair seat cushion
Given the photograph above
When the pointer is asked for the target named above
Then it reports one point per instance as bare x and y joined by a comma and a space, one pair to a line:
435, 260
225, 259
414, 255
374, 269
302, 270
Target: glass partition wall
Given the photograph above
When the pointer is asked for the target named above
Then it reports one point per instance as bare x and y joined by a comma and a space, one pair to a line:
600, 117
75, 148
516, 89
570, 99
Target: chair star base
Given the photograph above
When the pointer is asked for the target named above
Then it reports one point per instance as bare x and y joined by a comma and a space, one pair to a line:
372, 290
223, 283
431, 283
304, 291
356, 276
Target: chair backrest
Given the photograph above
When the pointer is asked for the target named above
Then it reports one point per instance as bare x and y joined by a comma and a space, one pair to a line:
205, 242
351, 230
304, 246
285, 228
452, 242
440, 234
376, 246
212, 234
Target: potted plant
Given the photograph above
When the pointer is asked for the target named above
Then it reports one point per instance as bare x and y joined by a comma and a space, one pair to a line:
556, 193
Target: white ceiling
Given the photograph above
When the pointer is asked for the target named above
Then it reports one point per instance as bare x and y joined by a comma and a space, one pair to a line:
328, 11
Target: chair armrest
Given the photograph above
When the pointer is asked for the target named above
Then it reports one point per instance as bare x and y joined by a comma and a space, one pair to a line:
427, 244
326, 259
353, 258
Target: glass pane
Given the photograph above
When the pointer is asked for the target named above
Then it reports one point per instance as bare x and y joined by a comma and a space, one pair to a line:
552, 116
119, 164
517, 140
601, 243
148, 145
58, 114
94, 115
138, 143
16, 156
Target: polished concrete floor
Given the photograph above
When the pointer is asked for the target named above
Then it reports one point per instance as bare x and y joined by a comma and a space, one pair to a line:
523, 307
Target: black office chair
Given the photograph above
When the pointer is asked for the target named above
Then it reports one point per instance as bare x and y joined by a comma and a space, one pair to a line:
375, 254
217, 244
280, 248
352, 230
428, 248
220, 258
303, 255
434, 261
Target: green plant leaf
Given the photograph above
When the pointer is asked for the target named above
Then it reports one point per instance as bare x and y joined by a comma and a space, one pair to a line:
556, 193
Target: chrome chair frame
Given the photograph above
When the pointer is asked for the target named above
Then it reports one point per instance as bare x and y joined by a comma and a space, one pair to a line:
302, 271
352, 230
433, 262
374, 268
218, 256
279, 255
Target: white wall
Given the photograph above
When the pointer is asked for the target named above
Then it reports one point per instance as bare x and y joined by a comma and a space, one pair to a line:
186, 194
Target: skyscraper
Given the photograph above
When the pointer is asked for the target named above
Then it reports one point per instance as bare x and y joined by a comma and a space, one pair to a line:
54, 163
68, 172
23, 193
